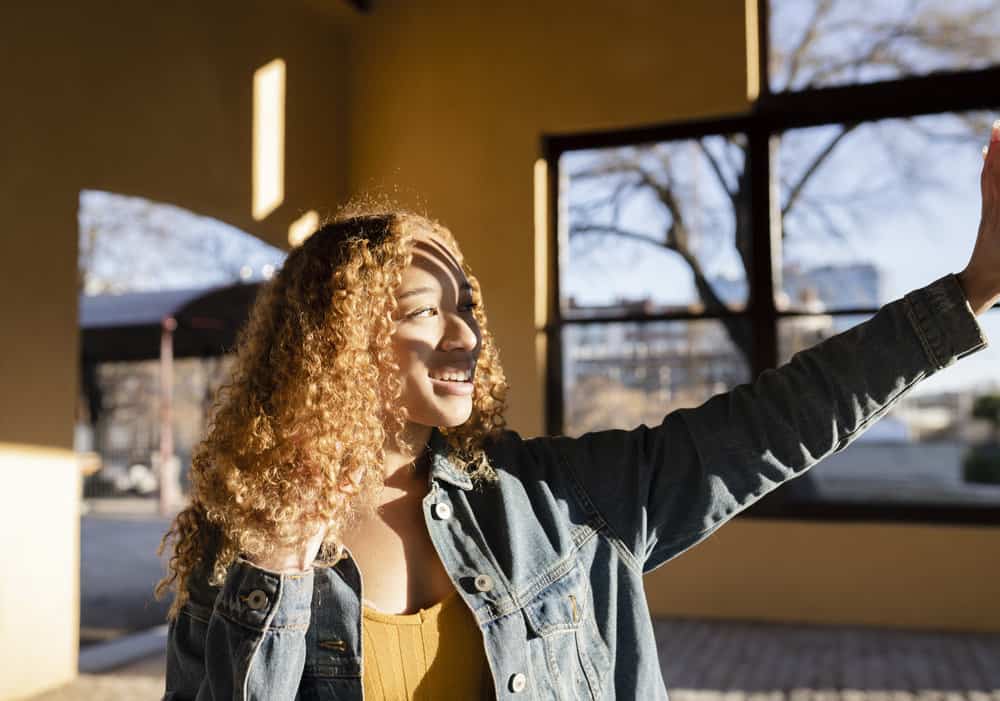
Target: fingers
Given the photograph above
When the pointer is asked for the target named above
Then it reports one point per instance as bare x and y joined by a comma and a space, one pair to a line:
994, 137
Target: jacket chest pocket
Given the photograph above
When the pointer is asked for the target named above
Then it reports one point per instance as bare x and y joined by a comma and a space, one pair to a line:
561, 616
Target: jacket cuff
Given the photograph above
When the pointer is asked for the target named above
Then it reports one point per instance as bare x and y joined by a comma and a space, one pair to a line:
260, 599
944, 321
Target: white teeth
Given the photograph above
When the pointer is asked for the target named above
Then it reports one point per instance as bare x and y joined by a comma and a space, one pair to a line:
454, 377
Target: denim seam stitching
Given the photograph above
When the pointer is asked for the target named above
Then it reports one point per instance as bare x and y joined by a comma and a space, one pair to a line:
243, 624
602, 645
257, 644
631, 561
497, 609
187, 612
592, 674
561, 569
914, 317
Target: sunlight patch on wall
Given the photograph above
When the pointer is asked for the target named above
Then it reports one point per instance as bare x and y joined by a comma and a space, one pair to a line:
541, 243
753, 50
268, 138
541, 175
302, 228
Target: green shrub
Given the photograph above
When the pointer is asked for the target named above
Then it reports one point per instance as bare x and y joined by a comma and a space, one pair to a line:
982, 464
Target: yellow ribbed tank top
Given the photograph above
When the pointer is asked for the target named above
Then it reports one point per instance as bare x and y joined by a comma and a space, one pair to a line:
435, 653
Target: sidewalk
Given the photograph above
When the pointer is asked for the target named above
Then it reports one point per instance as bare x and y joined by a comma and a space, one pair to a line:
739, 661
135, 682
119, 568
751, 657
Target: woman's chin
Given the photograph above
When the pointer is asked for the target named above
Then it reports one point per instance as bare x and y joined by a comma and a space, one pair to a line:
452, 422
446, 417
456, 417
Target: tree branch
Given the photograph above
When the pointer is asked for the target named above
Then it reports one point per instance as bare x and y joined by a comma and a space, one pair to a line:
615, 231
718, 171
796, 190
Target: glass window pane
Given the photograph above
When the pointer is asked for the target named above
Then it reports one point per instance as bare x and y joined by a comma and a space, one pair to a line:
823, 43
872, 211
916, 452
654, 228
621, 375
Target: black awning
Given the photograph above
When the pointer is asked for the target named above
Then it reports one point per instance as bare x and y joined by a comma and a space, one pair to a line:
128, 326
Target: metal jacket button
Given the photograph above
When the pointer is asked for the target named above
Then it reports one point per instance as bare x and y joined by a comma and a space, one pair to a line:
518, 682
484, 582
257, 599
442, 510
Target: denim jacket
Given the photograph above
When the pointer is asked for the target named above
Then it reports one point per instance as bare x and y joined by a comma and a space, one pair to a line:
550, 560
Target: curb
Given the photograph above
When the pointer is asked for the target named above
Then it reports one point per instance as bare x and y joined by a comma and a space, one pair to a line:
103, 657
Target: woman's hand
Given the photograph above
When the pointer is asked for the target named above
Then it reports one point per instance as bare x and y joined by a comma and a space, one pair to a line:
981, 277
293, 560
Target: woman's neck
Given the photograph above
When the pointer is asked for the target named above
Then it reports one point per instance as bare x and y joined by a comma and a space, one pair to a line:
402, 462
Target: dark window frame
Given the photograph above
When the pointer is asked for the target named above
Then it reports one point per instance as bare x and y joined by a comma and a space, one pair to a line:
769, 116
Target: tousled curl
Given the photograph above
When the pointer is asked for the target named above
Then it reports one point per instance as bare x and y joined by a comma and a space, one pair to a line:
297, 432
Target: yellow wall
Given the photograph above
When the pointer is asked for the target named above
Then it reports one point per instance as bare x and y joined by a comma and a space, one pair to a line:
897, 575
450, 102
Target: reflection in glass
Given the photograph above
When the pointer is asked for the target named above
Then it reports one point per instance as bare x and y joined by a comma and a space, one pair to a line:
655, 228
823, 43
916, 452
621, 375
873, 210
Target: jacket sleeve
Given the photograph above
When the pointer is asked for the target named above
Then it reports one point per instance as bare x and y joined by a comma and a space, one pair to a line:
662, 490
244, 640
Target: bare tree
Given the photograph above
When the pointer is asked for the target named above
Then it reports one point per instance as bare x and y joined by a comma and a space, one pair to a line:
836, 44
132, 244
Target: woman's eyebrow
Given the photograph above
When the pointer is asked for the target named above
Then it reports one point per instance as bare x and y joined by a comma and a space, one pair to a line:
466, 287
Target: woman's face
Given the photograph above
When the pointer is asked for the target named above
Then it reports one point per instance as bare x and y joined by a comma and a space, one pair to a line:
437, 338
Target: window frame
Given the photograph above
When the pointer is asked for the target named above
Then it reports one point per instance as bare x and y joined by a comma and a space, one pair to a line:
769, 116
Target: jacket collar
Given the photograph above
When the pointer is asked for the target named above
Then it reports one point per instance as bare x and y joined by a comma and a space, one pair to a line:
444, 466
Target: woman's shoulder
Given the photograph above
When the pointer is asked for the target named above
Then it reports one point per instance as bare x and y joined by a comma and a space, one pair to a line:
538, 456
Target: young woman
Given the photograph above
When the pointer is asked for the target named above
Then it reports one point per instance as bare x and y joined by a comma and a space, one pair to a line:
362, 525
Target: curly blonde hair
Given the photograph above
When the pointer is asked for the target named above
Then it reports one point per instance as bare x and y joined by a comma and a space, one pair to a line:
297, 433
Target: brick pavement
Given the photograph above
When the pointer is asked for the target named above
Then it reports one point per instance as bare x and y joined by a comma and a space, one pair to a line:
754, 658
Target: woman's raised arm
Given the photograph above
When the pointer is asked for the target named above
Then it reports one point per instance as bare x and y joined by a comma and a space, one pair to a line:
664, 489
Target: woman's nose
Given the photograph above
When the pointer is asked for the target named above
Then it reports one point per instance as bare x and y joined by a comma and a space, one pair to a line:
460, 332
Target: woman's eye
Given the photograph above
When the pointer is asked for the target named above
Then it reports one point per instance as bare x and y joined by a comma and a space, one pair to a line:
420, 312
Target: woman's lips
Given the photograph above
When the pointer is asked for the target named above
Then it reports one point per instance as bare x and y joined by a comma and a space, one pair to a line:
460, 389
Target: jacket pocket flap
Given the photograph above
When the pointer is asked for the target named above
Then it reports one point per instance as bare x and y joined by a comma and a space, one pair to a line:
559, 606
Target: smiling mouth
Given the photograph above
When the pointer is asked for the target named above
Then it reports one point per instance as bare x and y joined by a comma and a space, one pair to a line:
452, 381
456, 388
